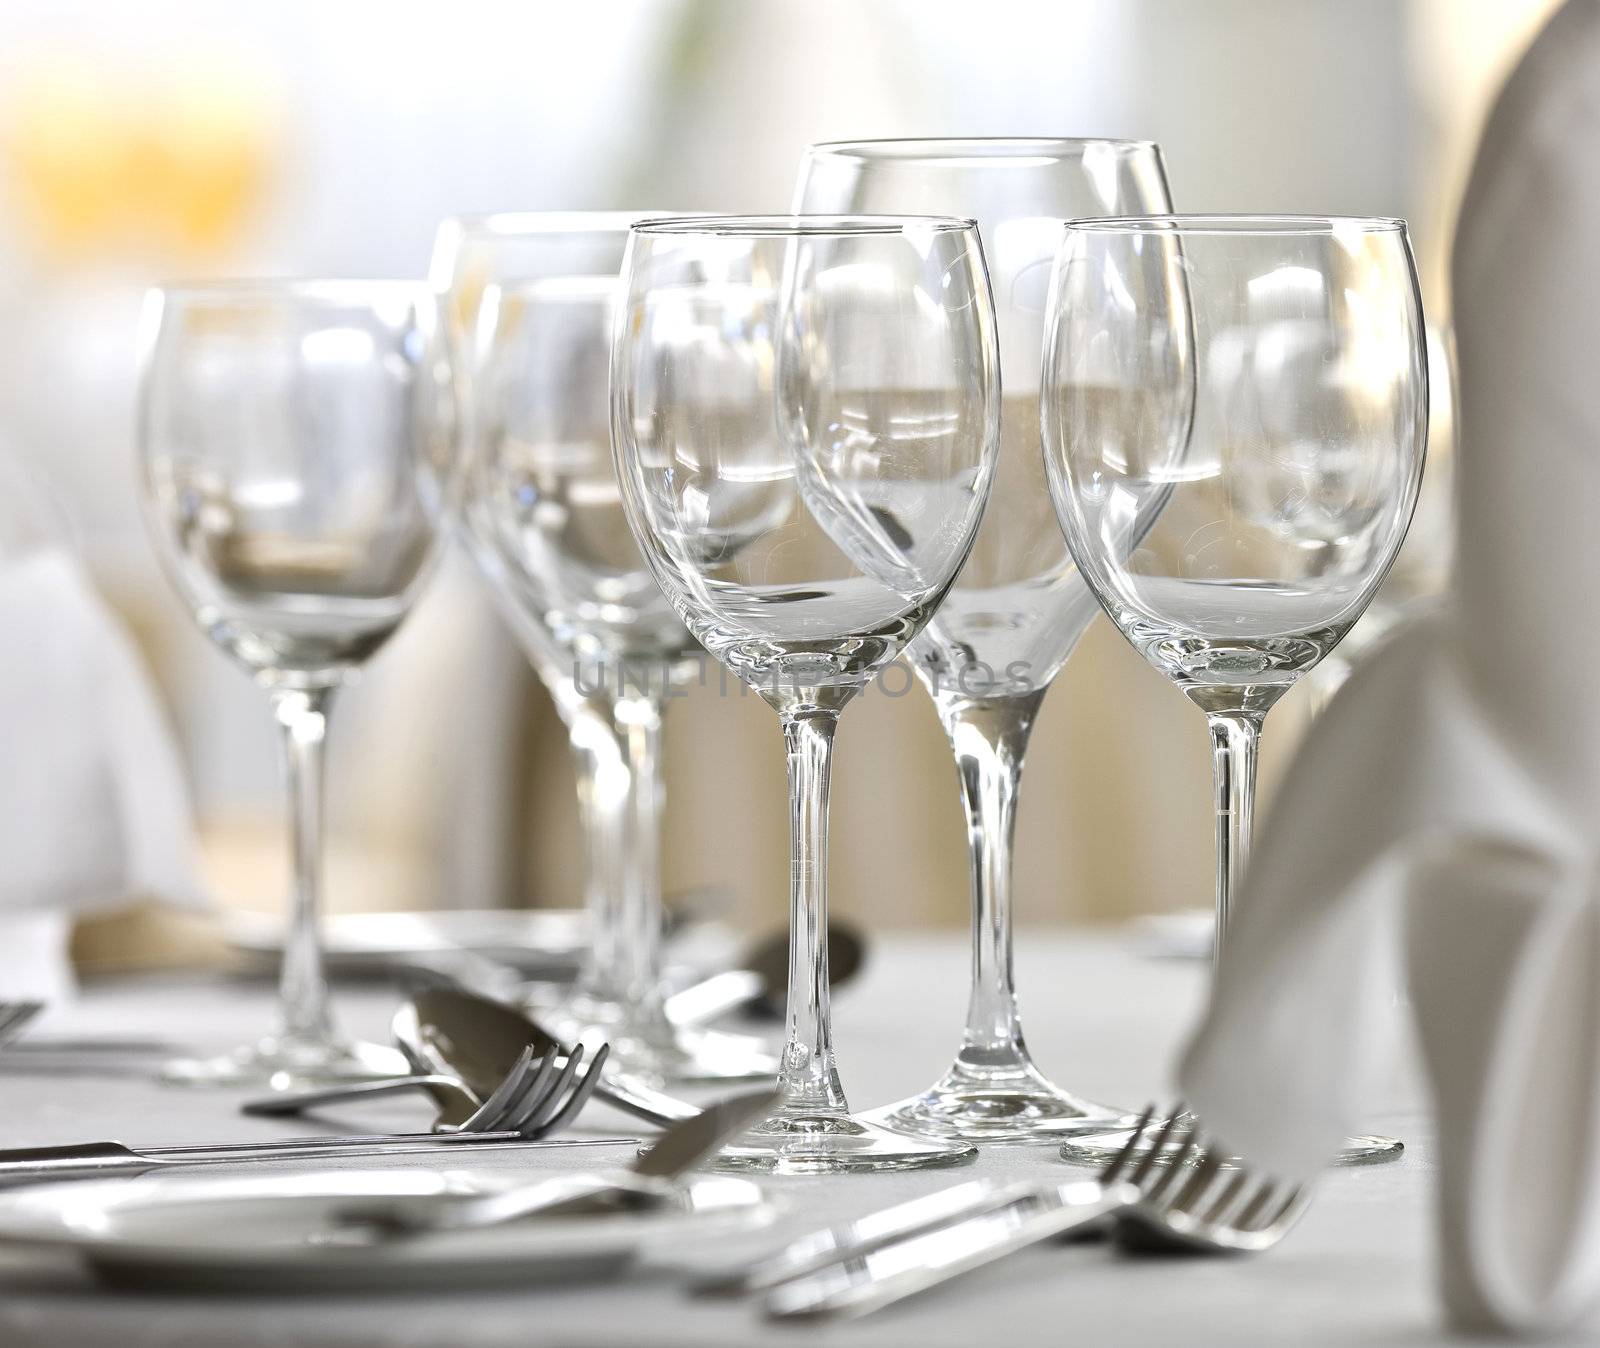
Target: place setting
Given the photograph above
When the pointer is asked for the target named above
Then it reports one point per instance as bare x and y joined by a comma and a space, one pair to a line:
718, 475
306, 446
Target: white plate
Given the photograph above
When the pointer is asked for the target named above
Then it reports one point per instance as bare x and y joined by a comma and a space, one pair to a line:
259, 1234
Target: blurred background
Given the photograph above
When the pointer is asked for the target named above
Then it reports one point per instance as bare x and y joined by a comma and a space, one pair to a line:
139, 143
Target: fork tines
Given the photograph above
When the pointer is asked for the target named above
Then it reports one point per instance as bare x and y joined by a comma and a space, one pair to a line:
535, 1099
1196, 1191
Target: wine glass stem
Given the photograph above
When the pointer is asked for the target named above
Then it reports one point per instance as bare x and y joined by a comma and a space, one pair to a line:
600, 767
302, 716
807, 1076
990, 739
617, 756
636, 722
1235, 741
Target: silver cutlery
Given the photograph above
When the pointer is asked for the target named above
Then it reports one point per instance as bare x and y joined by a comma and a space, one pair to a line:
458, 1033
1205, 1199
760, 982
850, 1240
532, 1102
34, 1054
455, 1102
650, 1180
14, 1018
462, 1044
1192, 1197
889, 1271
534, 1095
113, 1160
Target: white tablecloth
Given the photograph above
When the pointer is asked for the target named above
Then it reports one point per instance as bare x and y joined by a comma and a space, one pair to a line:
1100, 1018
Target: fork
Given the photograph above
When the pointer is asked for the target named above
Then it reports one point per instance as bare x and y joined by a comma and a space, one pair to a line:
1188, 1203
14, 1018
1205, 1199
456, 1101
531, 1095
450, 1088
57, 1051
530, 1104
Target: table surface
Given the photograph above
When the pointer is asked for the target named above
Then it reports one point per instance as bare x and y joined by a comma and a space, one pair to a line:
1101, 1019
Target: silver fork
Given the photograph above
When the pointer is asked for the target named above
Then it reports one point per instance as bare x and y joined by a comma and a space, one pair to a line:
14, 1018
1186, 1198
534, 1098
453, 1085
57, 1053
454, 1098
1204, 1198
524, 1110
542, 1101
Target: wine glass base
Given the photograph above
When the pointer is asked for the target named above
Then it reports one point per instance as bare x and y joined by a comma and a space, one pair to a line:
1098, 1149
833, 1144
1017, 1107
651, 1046
289, 1062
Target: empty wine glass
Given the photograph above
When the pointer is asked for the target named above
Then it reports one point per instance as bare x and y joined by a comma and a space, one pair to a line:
1018, 608
1234, 417
292, 458
805, 414
529, 301
1417, 582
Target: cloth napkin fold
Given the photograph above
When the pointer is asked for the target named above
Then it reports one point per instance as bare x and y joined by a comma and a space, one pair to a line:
93, 809
1445, 810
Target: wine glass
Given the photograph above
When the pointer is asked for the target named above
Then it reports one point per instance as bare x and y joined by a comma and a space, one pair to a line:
291, 463
1417, 581
805, 413
1018, 608
529, 301
1234, 417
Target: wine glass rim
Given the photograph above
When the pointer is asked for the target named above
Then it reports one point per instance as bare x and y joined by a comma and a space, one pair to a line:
1243, 224
802, 226
550, 222
1008, 150
275, 289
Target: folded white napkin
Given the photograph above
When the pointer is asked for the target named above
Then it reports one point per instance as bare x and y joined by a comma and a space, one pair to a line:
1446, 807
93, 809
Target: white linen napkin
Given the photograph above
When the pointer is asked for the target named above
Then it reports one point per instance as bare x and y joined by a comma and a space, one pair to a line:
1446, 807
93, 810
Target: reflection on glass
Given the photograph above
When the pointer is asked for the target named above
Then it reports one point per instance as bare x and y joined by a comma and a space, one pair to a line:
805, 417
293, 446
1252, 395
990, 654
531, 301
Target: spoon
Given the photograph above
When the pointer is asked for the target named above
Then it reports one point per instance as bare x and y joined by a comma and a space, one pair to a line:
760, 982
649, 1180
457, 1033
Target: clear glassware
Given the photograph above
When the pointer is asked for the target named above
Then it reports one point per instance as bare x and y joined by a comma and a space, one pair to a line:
293, 453
1019, 607
806, 416
529, 301
1417, 582
1234, 416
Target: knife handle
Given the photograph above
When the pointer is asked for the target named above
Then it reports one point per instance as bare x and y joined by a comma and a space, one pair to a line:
101, 1160
816, 1250
87, 1160
894, 1271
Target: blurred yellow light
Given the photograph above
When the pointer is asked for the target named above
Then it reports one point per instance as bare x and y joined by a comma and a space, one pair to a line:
106, 160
